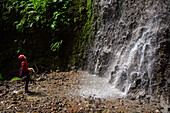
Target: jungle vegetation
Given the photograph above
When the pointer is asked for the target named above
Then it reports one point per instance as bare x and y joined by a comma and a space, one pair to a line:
52, 34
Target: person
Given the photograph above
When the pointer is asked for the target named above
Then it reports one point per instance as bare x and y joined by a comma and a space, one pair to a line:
24, 72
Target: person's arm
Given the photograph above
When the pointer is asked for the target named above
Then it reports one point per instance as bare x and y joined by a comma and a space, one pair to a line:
31, 69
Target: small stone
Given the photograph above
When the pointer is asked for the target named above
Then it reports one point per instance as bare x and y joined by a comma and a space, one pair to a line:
57, 102
43, 101
14, 102
55, 109
39, 109
131, 98
60, 108
87, 109
49, 103
14, 99
156, 111
49, 107
91, 101
60, 104
113, 107
121, 104
98, 109
41, 79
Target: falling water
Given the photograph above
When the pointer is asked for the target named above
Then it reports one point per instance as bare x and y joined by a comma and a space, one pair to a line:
130, 50
133, 60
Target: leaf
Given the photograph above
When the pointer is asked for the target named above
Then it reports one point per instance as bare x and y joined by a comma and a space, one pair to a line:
24, 41
75, 19
22, 2
31, 12
60, 0
37, 18
15, 79
55, 47
15, 41
16, 22
28, 5
22, 22
55, 13
31, 24
53, 25
18, 51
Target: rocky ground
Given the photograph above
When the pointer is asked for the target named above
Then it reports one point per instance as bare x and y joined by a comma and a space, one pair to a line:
58, 92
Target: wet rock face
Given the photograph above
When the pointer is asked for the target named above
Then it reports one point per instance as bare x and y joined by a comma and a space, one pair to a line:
132, 46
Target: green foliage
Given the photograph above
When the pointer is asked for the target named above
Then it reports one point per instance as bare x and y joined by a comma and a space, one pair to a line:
43, 13
59, 29
15, 79
56, 46
85, 34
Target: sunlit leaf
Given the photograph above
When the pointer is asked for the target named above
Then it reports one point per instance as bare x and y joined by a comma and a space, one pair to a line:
56, 45
75, 19
31, 24
18, 51
37, 18
52, 25
30, 12
15, 79
22, 21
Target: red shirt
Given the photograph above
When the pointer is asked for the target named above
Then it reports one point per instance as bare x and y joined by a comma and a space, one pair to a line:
24, 67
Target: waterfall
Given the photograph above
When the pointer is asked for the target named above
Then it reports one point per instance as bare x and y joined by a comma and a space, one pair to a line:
131, 47
134, 60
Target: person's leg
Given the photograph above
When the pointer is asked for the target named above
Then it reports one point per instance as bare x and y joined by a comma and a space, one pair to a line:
26, 84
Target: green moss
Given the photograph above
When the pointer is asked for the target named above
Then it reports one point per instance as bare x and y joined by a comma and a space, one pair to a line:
86, 32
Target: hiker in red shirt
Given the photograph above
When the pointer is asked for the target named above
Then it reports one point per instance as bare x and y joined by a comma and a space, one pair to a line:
24, 72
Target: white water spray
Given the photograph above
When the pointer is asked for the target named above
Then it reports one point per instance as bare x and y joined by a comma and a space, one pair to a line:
134, 58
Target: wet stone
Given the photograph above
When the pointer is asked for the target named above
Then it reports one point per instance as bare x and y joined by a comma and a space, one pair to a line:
14, 102
41, 79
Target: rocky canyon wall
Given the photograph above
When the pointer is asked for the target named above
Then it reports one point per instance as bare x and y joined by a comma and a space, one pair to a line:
132, 47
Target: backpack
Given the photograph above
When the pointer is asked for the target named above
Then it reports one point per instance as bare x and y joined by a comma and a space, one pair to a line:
21, 72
